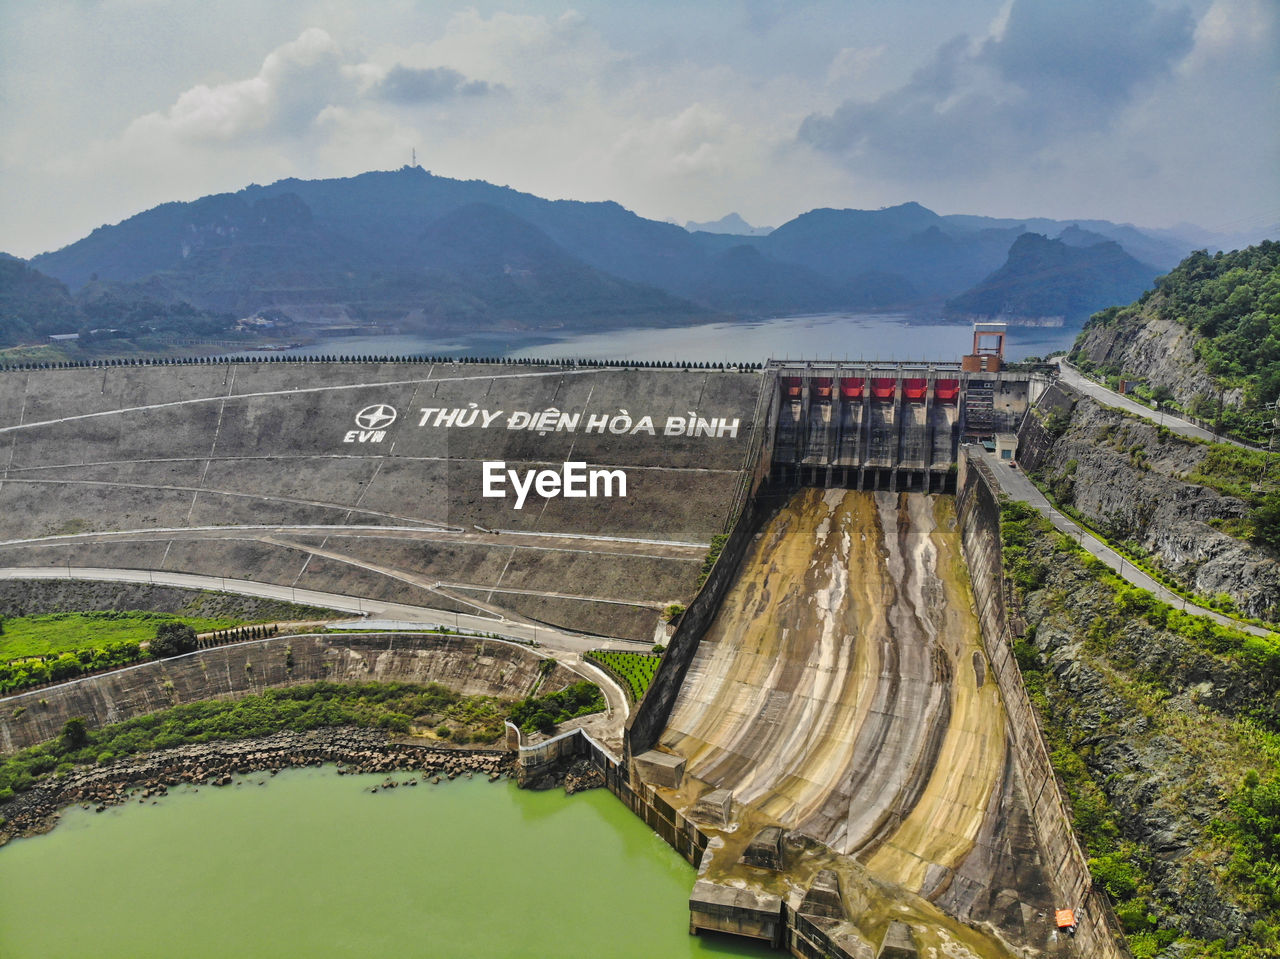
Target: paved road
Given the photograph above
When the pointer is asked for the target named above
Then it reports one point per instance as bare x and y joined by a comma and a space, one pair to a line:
1079, 382
376, 614
418, 616
1017, 486
522, 539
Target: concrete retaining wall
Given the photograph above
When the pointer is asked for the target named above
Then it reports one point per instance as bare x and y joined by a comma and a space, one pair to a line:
979, 513
465, 665
680, 833
264, 468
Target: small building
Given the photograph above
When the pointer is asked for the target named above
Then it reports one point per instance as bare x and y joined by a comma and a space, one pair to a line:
1006, 446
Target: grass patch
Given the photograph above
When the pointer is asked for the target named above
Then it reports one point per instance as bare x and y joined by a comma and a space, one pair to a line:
49, 634
1230, 470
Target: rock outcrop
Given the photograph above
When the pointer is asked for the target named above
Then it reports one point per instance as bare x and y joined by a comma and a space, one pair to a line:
150, 775
1126, 477
1150, 714
1152, 348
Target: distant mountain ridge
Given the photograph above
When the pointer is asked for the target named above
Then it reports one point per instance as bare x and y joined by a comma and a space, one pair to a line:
732, 223
420, 251
1070, 277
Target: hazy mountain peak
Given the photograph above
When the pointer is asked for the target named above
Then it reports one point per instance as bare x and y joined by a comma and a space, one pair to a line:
732, 224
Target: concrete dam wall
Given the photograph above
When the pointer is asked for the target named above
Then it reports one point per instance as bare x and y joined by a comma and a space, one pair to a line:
367, 479
842, 695
1099, 931
831, 736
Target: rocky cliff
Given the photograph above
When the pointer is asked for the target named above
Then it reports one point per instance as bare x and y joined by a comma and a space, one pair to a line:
1145, 718
1128, 478
1152, 348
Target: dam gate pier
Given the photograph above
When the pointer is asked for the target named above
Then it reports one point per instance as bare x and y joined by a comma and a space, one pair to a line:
888, 426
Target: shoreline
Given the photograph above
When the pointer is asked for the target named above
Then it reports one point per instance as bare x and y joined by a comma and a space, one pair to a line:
354, 750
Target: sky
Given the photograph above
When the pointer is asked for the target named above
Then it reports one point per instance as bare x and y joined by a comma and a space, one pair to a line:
1153, 112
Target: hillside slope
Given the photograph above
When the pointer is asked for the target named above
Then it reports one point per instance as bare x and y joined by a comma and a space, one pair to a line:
1208, 336
1068, 278
353, 246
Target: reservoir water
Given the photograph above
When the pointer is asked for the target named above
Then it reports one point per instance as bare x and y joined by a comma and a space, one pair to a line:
312, 864
877, 336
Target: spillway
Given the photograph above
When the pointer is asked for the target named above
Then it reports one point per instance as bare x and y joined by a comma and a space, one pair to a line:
842, 695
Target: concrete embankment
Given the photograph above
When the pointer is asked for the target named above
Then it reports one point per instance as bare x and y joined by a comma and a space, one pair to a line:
367, 479
148, 777
466, 665
1065, 863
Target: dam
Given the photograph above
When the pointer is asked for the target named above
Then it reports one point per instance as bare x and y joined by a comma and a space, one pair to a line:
841, 698
829, 738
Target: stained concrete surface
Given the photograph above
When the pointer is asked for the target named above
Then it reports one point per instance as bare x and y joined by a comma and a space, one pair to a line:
836, 696
186, 465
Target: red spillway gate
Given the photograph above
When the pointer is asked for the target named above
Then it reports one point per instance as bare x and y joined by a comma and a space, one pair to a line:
883, 387
914, 389
851, 387
946, 391
791, 387
821, 387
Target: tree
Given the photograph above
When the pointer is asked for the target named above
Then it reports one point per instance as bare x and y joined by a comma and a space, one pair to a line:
173, 639
74, 734
1266, 522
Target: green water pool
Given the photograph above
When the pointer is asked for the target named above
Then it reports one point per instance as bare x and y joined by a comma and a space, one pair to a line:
312, 864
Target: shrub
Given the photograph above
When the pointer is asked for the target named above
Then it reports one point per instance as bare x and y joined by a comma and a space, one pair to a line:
173, 639
1117, 876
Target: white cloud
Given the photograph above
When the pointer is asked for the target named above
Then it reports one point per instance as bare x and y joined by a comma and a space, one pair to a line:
853, 63
111, 107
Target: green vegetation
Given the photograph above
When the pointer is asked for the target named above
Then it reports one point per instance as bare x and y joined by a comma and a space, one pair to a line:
713, 554
1231, 470
1146, 652
52, 633
1253, 827
395, 707
34, 306
673, 611
172, 639
57, 646
1265, 522
23, 673
542, 713
635, 671
1232, 301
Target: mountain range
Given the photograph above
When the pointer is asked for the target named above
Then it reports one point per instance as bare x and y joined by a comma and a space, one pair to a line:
420, 252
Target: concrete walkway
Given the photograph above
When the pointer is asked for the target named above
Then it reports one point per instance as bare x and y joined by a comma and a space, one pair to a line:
1015, 484
1073, 378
